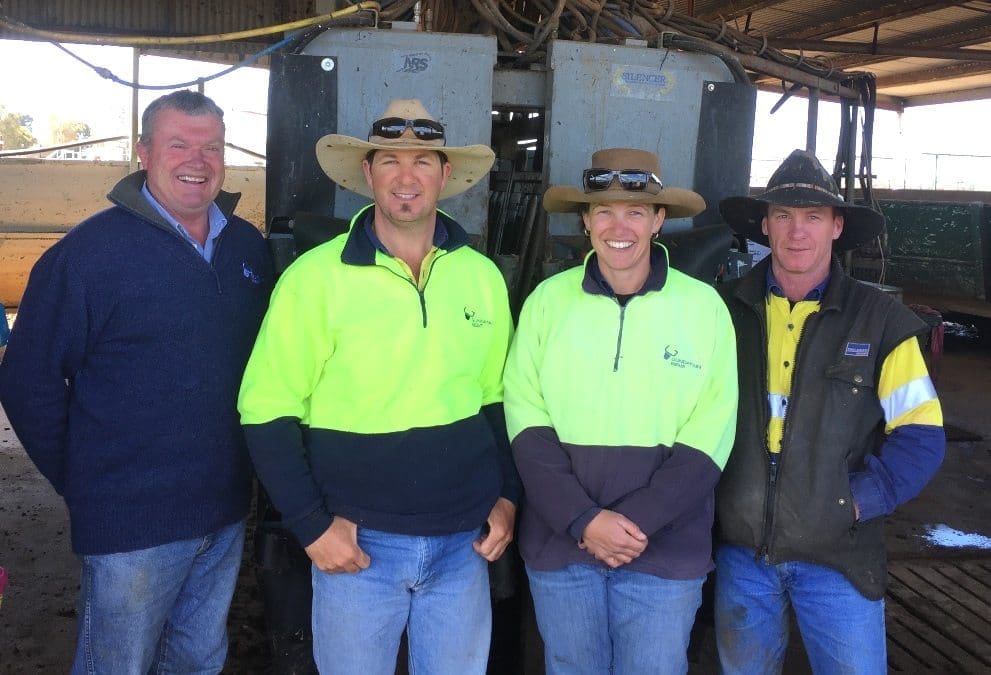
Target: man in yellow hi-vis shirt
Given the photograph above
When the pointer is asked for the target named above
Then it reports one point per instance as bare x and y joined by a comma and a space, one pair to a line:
838, 424
372, 408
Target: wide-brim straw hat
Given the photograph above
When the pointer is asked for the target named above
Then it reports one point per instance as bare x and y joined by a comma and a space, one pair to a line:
678, 203
340, 156
801, 182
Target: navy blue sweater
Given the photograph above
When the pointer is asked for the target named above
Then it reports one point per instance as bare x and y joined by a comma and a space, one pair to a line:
122, 373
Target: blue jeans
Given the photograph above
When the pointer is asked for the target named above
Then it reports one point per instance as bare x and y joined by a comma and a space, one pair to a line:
437, 588
843, 632
161, 609
596, 620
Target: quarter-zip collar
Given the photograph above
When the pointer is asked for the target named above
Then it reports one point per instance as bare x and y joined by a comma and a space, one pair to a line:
127, 195
360, 247
594, 283
440, 234
216, 222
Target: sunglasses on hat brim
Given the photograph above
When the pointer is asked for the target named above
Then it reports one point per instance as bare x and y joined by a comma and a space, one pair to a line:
634, 180
394, 127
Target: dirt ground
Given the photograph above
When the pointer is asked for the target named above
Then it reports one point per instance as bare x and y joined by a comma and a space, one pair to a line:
38, 615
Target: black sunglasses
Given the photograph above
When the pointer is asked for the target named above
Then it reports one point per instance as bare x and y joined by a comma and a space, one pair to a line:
393, 127
635, 180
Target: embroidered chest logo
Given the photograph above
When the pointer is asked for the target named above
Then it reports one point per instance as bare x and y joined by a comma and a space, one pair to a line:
475, 320
250, 274
857, 349
671, 356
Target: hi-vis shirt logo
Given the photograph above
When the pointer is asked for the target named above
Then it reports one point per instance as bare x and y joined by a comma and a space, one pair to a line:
476, 321
671, 356
857, 349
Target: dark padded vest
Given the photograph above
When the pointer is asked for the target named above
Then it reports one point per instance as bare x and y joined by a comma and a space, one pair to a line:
834, 420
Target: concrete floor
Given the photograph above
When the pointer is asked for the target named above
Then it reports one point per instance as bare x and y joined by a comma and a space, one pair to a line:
38, 616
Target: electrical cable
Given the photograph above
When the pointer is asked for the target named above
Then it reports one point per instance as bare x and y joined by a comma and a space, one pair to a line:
699, 45
108, 75
315, 24
521, 27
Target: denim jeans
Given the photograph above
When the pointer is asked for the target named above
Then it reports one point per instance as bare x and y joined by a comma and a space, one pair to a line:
596, 620
437, 588
843, 632
161, 609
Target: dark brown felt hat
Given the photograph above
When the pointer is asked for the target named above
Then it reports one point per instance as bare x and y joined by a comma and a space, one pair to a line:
802, 182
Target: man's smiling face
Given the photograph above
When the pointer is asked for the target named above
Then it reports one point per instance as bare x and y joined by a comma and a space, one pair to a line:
184, 159
406, 184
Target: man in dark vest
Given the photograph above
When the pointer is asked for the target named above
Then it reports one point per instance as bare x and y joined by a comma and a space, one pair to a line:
839, 424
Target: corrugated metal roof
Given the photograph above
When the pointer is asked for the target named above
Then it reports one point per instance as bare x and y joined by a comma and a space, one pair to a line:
153, 17
915, 28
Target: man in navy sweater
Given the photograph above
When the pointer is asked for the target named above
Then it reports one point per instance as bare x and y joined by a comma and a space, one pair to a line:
121, 379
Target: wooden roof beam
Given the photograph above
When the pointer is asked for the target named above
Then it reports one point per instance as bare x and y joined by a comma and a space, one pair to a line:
945, 72
836, 47
966, 34
852, 16
884, 102
976, 94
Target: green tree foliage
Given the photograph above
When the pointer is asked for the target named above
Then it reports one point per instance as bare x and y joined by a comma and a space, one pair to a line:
73, 130
15, 130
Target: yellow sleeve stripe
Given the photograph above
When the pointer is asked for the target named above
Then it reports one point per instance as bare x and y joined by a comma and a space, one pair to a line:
903, 365
929, 413
906, 393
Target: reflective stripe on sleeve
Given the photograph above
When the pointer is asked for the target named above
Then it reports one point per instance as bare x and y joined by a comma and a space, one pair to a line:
908, 396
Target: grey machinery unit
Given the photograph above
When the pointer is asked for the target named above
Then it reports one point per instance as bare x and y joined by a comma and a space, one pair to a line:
686, 106
342, 81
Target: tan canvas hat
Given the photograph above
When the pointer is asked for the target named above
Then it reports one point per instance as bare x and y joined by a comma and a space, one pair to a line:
620, 170
340, 156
